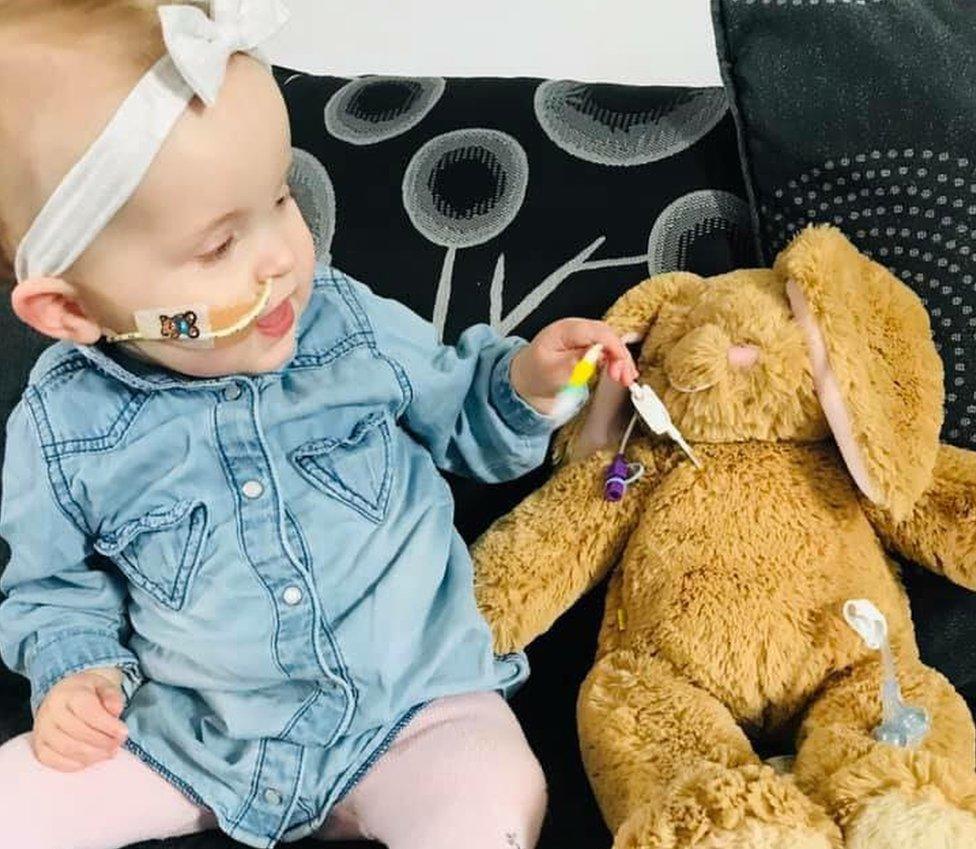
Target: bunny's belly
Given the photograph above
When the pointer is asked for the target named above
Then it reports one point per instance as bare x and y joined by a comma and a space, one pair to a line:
738, 574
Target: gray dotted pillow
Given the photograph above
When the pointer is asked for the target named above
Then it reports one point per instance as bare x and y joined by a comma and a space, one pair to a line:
861, 114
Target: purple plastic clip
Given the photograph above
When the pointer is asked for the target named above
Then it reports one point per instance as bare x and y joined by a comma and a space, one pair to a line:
616, 478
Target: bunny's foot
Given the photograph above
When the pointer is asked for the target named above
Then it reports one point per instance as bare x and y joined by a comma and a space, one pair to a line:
713, 807
885, 796
896, 820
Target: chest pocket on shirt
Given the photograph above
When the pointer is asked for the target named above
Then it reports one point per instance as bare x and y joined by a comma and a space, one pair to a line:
356, 469
160, 551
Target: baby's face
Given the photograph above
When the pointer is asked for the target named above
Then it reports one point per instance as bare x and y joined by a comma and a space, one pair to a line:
210, 221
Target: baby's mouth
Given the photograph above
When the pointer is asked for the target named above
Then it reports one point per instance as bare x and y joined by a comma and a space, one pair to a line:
277, 321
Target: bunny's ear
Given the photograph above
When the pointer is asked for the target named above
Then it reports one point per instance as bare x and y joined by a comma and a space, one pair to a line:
637, 309
602, 421
877, 373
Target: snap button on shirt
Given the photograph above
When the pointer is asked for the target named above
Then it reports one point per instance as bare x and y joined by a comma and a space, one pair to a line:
253, 489
292, 596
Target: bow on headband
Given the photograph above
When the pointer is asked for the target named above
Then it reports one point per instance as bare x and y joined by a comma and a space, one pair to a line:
200, 45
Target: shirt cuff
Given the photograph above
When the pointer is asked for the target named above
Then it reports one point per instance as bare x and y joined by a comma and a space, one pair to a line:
519, 415
69, 652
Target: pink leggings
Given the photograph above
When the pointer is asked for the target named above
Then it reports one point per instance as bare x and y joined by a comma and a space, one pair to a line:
460, 773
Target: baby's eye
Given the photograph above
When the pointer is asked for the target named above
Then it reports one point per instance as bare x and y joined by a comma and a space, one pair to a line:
284, 198
220, 251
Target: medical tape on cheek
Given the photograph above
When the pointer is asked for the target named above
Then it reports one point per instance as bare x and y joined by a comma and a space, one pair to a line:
194, 325
190, 324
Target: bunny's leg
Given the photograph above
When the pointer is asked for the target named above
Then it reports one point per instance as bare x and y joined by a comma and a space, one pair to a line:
883, 796
672, 769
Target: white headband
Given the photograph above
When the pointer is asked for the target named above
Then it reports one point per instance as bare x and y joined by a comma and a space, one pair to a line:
108, 173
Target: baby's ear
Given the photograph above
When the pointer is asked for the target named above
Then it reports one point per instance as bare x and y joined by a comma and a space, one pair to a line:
53, 308
875, 366
602, 421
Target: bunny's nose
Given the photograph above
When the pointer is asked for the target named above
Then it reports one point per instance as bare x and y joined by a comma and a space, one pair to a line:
743, 356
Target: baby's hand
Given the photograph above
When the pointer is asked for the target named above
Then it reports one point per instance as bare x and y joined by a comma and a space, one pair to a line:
542, 368
78, 722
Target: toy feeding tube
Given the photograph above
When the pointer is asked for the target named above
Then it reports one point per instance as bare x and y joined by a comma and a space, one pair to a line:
902, 724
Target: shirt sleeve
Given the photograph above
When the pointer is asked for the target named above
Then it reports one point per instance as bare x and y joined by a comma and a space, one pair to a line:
60, 613
461, 404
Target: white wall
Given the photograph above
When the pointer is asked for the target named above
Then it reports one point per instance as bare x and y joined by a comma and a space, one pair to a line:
633, 41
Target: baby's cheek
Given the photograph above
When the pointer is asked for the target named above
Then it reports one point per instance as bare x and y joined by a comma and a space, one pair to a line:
304, 245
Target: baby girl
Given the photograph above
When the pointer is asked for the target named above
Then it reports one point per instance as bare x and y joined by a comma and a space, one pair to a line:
234, 584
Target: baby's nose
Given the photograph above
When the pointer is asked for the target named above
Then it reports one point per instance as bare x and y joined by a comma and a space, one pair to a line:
743, 356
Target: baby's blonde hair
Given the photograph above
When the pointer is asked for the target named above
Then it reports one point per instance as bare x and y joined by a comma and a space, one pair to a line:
124, 31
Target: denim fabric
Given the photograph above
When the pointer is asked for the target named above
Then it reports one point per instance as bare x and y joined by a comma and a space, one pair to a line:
271, 558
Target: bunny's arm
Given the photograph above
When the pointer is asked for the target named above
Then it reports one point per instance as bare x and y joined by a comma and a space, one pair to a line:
534, 563
940, 534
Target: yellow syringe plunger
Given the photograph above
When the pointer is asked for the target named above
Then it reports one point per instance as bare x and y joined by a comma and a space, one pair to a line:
586, 367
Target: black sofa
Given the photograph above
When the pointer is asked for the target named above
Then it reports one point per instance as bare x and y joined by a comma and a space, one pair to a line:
419, 188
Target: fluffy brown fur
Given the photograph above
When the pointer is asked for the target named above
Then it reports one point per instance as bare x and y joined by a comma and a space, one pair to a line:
723, 612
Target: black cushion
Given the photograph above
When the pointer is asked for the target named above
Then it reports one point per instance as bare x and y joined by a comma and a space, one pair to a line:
629, 180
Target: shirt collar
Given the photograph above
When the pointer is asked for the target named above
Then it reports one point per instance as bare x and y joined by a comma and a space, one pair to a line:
140, 375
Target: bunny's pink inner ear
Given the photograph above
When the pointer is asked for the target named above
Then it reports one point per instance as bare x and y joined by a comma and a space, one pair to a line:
606, 418
830, 395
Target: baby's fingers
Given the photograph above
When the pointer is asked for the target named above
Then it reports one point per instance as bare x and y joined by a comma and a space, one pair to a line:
47, 756
102, 721
92, 710
111, 698
622, 370
63, 744
581, 333
620, 363
81, 730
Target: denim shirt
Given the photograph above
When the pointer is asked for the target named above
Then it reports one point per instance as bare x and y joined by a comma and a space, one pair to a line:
271, 559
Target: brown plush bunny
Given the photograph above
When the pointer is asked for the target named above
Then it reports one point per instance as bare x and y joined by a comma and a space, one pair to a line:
812, 394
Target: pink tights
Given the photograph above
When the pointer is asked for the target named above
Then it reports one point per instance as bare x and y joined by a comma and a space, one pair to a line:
459, 774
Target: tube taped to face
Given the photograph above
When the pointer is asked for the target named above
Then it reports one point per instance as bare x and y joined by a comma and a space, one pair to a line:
194, 324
